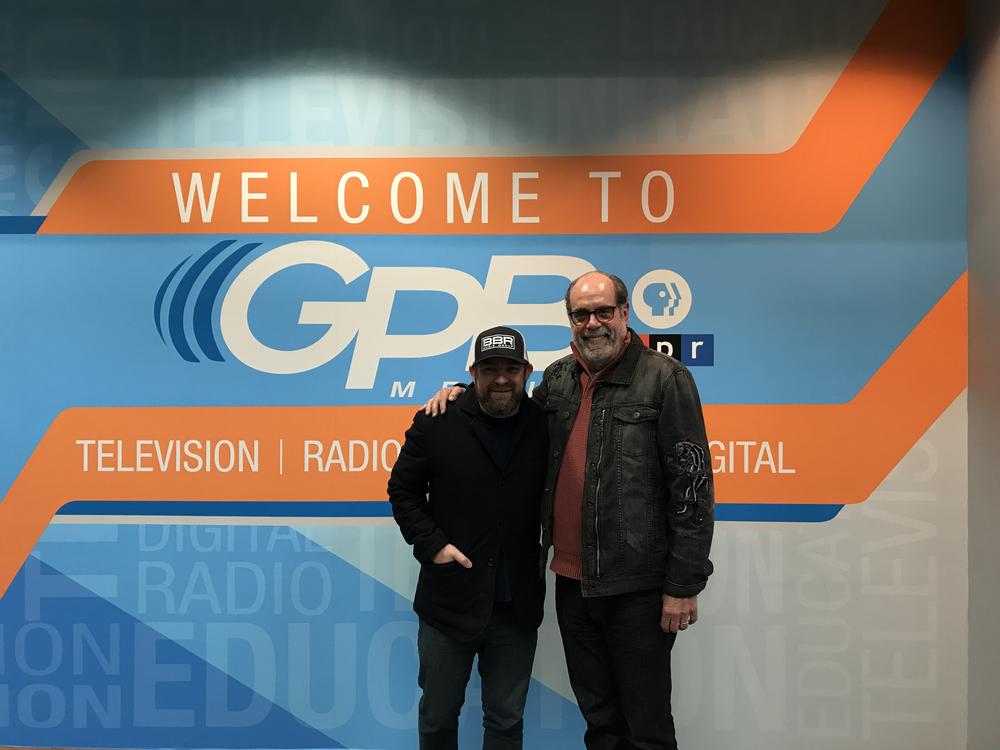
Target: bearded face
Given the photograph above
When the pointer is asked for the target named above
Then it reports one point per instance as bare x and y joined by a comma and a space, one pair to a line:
598, 341
499, 384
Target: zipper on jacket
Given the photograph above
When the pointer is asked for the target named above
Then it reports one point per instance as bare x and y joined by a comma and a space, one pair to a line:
597, 496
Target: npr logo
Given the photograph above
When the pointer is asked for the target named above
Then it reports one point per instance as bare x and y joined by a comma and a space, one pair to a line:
499, 341
691, 349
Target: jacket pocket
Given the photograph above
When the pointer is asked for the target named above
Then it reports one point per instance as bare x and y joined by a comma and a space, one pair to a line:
635, 429
448, 584
445, 568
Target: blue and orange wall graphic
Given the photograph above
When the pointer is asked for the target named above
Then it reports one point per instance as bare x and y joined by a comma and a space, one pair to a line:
213, 354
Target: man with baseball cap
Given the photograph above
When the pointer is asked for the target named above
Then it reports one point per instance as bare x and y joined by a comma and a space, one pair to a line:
466, 493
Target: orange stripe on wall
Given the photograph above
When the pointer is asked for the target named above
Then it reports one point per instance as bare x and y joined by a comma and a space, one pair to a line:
841, 452
805, 189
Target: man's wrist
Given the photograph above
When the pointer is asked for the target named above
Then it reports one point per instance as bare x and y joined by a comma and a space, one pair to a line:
681, 590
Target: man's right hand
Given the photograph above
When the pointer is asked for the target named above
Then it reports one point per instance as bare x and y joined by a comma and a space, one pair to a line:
438, 403
450, 553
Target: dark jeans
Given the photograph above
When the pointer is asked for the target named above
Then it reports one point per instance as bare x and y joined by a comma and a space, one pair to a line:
619, 666
506, 651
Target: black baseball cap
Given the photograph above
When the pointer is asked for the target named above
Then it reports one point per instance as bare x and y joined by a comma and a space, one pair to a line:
500, 342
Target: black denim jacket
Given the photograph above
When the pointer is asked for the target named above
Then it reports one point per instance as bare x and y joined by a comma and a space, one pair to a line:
648, 501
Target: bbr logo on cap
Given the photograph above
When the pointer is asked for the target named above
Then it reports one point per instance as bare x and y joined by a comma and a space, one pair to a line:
498, 342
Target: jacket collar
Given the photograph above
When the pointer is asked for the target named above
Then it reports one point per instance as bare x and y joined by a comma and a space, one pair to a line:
625, 369
470, 407
467, 402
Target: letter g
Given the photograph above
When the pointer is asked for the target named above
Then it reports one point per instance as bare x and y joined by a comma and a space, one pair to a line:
235, 325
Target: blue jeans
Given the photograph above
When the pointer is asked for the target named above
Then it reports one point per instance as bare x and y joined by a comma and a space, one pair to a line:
618, 661
506, 651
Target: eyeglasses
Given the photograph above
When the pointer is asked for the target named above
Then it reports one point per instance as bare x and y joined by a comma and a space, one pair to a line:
603, 314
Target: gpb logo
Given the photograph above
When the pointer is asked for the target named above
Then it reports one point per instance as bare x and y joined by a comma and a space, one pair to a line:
479, 306
201, 313
661, 299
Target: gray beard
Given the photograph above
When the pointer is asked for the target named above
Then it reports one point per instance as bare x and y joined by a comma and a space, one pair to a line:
597, 361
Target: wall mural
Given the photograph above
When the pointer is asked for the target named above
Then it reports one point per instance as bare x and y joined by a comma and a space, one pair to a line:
212, 351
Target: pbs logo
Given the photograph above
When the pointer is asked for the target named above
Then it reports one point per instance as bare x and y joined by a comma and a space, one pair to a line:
661, 299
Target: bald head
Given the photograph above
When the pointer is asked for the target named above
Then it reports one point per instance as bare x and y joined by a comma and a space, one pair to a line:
593, 280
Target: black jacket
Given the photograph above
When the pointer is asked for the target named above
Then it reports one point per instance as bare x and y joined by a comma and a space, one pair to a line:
446, 488
648, 499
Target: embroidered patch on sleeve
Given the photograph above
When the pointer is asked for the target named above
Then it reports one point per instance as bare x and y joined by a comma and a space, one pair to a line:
689, 460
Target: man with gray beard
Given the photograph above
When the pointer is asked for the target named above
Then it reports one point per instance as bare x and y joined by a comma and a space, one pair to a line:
628, 508
466, 492
629, 513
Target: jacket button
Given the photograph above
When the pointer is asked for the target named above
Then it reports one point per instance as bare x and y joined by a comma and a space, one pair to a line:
555, 453
491, 562
636, 415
